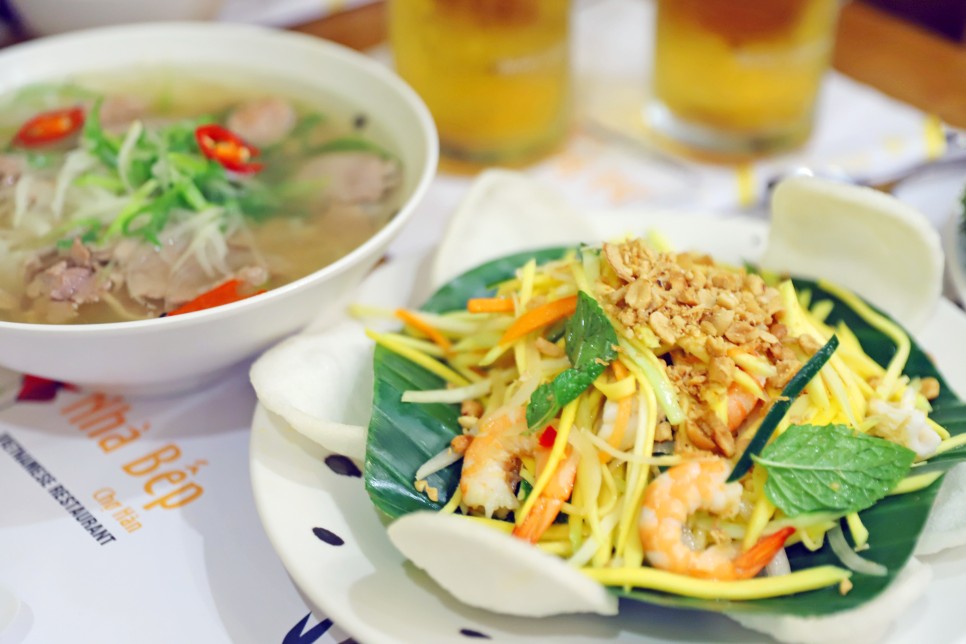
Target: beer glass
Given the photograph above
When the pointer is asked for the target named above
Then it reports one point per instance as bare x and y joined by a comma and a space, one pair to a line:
495, 74
739, 77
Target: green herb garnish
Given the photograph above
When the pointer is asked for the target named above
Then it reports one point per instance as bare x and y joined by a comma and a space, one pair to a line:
589, 340
831, 469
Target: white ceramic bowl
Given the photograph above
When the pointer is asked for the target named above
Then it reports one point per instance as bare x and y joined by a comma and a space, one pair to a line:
167, 355
46, 17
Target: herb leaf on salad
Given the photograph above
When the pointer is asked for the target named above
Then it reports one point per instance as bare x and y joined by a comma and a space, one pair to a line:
589, 341
831, 469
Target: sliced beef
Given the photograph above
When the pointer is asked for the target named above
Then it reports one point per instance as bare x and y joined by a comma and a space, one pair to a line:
148, 272
262, 121
11, 167
64, 283
351, 177
66, 276
160, 276
118, 111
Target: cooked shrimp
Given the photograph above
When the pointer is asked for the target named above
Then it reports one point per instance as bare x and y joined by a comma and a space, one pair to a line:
902, 423
679, 492
741, 403
548, 504
491, 465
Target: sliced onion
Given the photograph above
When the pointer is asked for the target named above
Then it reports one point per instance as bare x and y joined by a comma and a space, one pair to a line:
438, 462
778, 565
849, 558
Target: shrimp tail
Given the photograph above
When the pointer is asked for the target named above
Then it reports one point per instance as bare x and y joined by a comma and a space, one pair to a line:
541, 517
547, 506
749, 563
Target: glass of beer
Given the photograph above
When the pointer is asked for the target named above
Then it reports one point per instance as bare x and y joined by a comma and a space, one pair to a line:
739, 78
495, 74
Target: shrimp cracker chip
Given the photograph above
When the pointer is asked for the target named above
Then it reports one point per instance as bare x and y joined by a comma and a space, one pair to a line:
861, 238
505, 212
320, 382
313, 382
492, 570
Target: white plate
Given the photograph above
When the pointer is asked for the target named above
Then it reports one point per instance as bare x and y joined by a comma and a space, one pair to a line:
369, 589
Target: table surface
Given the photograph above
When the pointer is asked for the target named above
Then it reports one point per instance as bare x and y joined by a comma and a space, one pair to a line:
894, 56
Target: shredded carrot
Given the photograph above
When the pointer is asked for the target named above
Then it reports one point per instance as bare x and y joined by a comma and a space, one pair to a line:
620, 371
426, 328
621, 422
539, 317
225, 293
623, 418
490, 305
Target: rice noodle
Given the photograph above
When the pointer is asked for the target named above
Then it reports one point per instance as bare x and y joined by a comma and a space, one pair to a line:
119, 308
208, 245
76, 162
21, 199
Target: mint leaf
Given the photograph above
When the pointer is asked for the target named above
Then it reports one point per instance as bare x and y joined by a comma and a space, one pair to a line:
830, 469
548, 399
590, 340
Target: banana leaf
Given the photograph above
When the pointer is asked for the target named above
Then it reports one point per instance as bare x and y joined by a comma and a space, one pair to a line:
403, 436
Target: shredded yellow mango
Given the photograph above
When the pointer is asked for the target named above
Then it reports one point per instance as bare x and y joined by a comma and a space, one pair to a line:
423, 360
878, 322
615, 390
556, 454
757, 588
600, 529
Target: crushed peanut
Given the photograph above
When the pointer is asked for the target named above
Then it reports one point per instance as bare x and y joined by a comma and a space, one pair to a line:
548, 348
424, 487
471, 408
929, 387
700, 312
845, 586
459, 444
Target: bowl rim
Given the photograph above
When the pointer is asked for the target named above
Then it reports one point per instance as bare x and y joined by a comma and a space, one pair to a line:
274, 37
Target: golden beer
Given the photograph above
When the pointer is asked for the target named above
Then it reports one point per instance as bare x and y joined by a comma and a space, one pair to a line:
740, 76
494, 73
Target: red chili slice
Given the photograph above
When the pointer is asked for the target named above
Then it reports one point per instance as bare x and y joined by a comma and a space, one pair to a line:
548, 437
224, 293
48, 127
227, 148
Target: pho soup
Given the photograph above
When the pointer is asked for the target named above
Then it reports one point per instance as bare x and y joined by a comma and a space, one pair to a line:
136, 199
